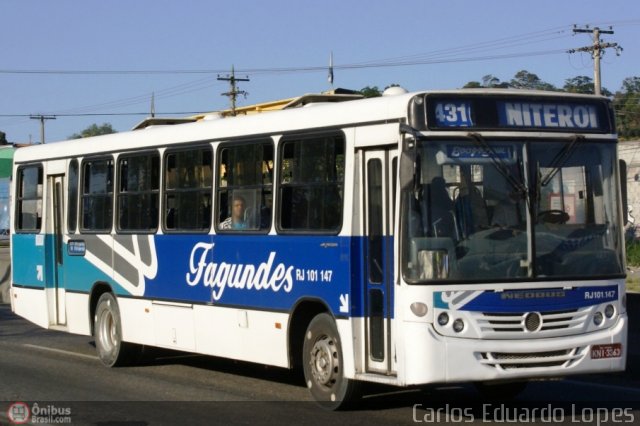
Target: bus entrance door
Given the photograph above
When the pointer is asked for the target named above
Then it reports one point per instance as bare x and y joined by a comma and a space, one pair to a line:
378, 183
54, 248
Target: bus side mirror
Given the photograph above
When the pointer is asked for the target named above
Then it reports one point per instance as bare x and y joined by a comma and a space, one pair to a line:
623, 190
409, 164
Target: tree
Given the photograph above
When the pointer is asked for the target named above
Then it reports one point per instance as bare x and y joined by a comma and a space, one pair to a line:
582, 84
370, 92
527, 80
488, 81
579, 84
94, 130
3, 138
627, 106
492, 81
472, 85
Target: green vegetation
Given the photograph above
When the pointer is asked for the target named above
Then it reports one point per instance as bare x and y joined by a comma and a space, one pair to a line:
633, 261
625, 100
94, 130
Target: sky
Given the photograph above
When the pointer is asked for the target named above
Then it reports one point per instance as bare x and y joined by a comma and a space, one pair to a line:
96, 61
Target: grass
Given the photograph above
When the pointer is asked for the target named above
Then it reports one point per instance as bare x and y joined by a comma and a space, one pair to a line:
633, 261
633, 284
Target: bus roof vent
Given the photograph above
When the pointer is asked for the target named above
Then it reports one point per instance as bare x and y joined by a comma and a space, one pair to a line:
394, 91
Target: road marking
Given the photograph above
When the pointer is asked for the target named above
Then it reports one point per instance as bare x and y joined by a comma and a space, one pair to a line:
60, 351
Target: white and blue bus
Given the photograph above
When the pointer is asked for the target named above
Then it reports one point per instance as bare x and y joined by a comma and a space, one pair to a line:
420, 238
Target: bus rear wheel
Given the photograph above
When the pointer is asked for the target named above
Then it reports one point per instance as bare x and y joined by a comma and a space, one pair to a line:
112, 351
323, 365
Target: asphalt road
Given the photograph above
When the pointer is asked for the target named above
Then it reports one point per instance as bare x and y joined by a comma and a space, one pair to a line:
59, 376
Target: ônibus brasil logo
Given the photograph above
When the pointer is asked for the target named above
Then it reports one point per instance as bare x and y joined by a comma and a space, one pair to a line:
19, 413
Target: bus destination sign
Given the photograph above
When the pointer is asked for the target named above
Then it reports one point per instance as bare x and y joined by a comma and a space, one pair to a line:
451, 112
547, 115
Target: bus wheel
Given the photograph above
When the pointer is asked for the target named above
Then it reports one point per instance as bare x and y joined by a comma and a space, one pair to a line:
323, 365
112, 351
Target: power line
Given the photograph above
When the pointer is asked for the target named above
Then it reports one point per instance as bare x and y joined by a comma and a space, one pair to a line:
280, 70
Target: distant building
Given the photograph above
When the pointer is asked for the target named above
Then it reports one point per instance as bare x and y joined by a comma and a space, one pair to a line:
6, 166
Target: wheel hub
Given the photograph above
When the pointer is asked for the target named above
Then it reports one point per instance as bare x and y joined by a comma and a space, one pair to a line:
325, 366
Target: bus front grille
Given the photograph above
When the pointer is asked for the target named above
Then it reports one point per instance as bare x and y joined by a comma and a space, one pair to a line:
528, 360
531, 324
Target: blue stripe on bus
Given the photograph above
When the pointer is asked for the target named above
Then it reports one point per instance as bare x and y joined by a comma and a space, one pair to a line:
265, 272
540, 300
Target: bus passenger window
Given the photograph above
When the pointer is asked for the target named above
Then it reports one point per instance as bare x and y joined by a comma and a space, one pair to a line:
312, 184
97, 195
72, 218
29, 199
139, 192
245, 186
188, 184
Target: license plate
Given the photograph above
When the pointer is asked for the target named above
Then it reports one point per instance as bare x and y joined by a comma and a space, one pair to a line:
606, 351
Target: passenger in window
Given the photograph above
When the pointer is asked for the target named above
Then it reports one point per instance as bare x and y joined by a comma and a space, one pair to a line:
236, 220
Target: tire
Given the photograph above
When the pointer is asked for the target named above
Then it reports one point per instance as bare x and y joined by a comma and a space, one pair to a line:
323, 365
112, 351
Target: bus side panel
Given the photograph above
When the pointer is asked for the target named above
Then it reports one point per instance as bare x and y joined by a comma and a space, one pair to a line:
137, 320
247, 335
28, 261
78, 321
30, 304
28, 297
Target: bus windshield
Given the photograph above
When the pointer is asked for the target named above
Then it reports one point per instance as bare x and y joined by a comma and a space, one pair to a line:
509, 210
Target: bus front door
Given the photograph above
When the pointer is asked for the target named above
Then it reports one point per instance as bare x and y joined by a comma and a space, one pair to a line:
378, 167
54, 250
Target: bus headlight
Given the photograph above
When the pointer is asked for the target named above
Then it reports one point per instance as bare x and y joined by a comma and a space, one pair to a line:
609, 311
598, 318
443, 319
458, 325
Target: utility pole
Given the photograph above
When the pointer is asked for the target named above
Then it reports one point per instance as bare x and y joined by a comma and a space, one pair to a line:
234, 92
42, 118
597, 50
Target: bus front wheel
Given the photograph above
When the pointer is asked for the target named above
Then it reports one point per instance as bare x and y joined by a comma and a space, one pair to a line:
112, 351
323, 365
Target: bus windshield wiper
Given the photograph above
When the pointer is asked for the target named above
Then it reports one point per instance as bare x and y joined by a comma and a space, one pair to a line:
560, 159
499, 164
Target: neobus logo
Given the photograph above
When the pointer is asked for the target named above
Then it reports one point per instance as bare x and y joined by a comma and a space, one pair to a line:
219, 276
533, 294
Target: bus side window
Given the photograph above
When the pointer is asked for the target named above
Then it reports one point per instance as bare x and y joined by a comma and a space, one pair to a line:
139, 192
72, 218
245, 186
29, 199
97, 195
188, 185
312, 184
